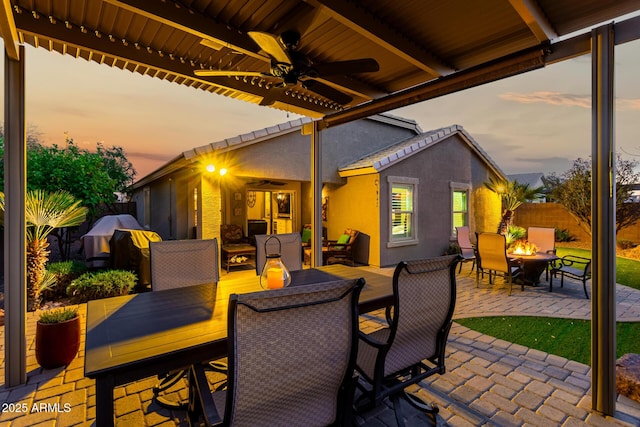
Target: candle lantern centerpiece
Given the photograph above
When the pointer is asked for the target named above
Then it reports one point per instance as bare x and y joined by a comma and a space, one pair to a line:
275, 274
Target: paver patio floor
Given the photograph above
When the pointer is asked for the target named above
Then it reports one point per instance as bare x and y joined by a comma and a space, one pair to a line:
488, 381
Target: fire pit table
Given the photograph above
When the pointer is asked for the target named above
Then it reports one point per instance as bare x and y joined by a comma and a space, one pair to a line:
534, 265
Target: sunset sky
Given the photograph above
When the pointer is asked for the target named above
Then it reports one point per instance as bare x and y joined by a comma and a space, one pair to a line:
535, 122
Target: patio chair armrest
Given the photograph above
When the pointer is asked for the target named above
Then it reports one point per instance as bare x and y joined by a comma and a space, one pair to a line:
199, 389
571, 260
374, 343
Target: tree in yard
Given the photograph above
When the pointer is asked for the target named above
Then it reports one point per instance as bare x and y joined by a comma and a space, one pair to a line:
45, 212
573, 190
90, 176
513, 194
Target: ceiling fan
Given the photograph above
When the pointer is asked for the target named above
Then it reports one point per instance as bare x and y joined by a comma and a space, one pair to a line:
293, 67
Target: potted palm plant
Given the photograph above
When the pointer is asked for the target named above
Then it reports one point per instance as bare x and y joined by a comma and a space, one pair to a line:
57, 337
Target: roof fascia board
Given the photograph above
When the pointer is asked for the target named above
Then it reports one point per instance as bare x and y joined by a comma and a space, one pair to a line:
523, 61
224, 145
397, 121
531, 14
169, 168
481, 153
129, 54
357, 172
435, 138
511, 65
192, 22
361, 21
8, 30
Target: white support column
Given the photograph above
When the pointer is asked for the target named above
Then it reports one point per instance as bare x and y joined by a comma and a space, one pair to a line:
15, 246
603, 220
316, 188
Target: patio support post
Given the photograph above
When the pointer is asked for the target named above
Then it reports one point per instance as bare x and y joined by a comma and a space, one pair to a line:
15, 246
316, 188
603, 220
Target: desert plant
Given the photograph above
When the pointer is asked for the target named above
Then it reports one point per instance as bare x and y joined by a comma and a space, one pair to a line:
563, 235
58, 277
99, 285
58, 316
513, 194
44, 212
452, 249
514, 234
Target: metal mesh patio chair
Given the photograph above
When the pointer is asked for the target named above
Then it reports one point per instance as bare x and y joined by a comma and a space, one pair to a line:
291, 359
545, 240
290, 250
492, 251
412, 346
176, 264
467, 251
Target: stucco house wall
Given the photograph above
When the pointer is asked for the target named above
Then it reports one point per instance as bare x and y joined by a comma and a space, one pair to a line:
440, 161
358, 159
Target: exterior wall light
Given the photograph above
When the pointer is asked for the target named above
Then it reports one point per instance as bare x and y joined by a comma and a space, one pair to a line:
210, 168
223, 171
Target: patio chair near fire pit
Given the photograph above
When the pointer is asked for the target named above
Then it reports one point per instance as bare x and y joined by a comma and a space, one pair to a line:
492, 252
291, 359
573, 266
545, 240
412, 346
467, 251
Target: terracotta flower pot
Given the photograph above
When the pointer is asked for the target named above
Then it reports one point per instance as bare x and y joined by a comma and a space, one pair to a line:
57, 343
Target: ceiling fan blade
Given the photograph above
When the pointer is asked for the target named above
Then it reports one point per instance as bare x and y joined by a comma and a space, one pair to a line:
327, 91
353, 66
271, 45
228, 73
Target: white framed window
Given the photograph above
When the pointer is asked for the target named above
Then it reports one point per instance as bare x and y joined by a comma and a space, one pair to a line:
403, 213
459, 206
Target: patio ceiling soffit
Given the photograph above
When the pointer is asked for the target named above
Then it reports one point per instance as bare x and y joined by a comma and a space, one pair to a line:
79, 41
219, 36
508, 66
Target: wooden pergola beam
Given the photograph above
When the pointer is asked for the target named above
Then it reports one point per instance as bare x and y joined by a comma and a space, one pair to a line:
532, 15
8, 31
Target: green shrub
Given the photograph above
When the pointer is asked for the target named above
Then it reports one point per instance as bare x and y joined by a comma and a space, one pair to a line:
514, 234
60, 275
563, 235
626, 244
452, 249
99, 285
58, 316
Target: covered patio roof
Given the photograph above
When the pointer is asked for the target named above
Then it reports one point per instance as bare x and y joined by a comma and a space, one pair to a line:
422, 48
414, 43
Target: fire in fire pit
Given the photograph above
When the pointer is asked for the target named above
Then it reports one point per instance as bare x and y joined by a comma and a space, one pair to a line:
522, 247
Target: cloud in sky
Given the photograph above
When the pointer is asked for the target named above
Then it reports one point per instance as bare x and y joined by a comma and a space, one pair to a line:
566, 99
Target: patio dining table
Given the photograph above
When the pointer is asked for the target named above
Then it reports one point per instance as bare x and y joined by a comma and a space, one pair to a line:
137, 336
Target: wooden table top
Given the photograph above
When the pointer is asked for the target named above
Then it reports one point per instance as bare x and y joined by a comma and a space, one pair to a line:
136, 336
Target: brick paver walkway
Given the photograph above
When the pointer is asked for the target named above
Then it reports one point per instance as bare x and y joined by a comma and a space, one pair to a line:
488, 381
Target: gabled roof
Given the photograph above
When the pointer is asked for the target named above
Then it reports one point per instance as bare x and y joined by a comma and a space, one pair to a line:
255, 137
260, 135
382, 159
531, 179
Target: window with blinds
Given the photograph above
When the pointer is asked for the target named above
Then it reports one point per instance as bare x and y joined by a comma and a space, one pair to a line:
401, 210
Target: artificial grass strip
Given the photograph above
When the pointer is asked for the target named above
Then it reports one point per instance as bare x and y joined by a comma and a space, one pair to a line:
568, 338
